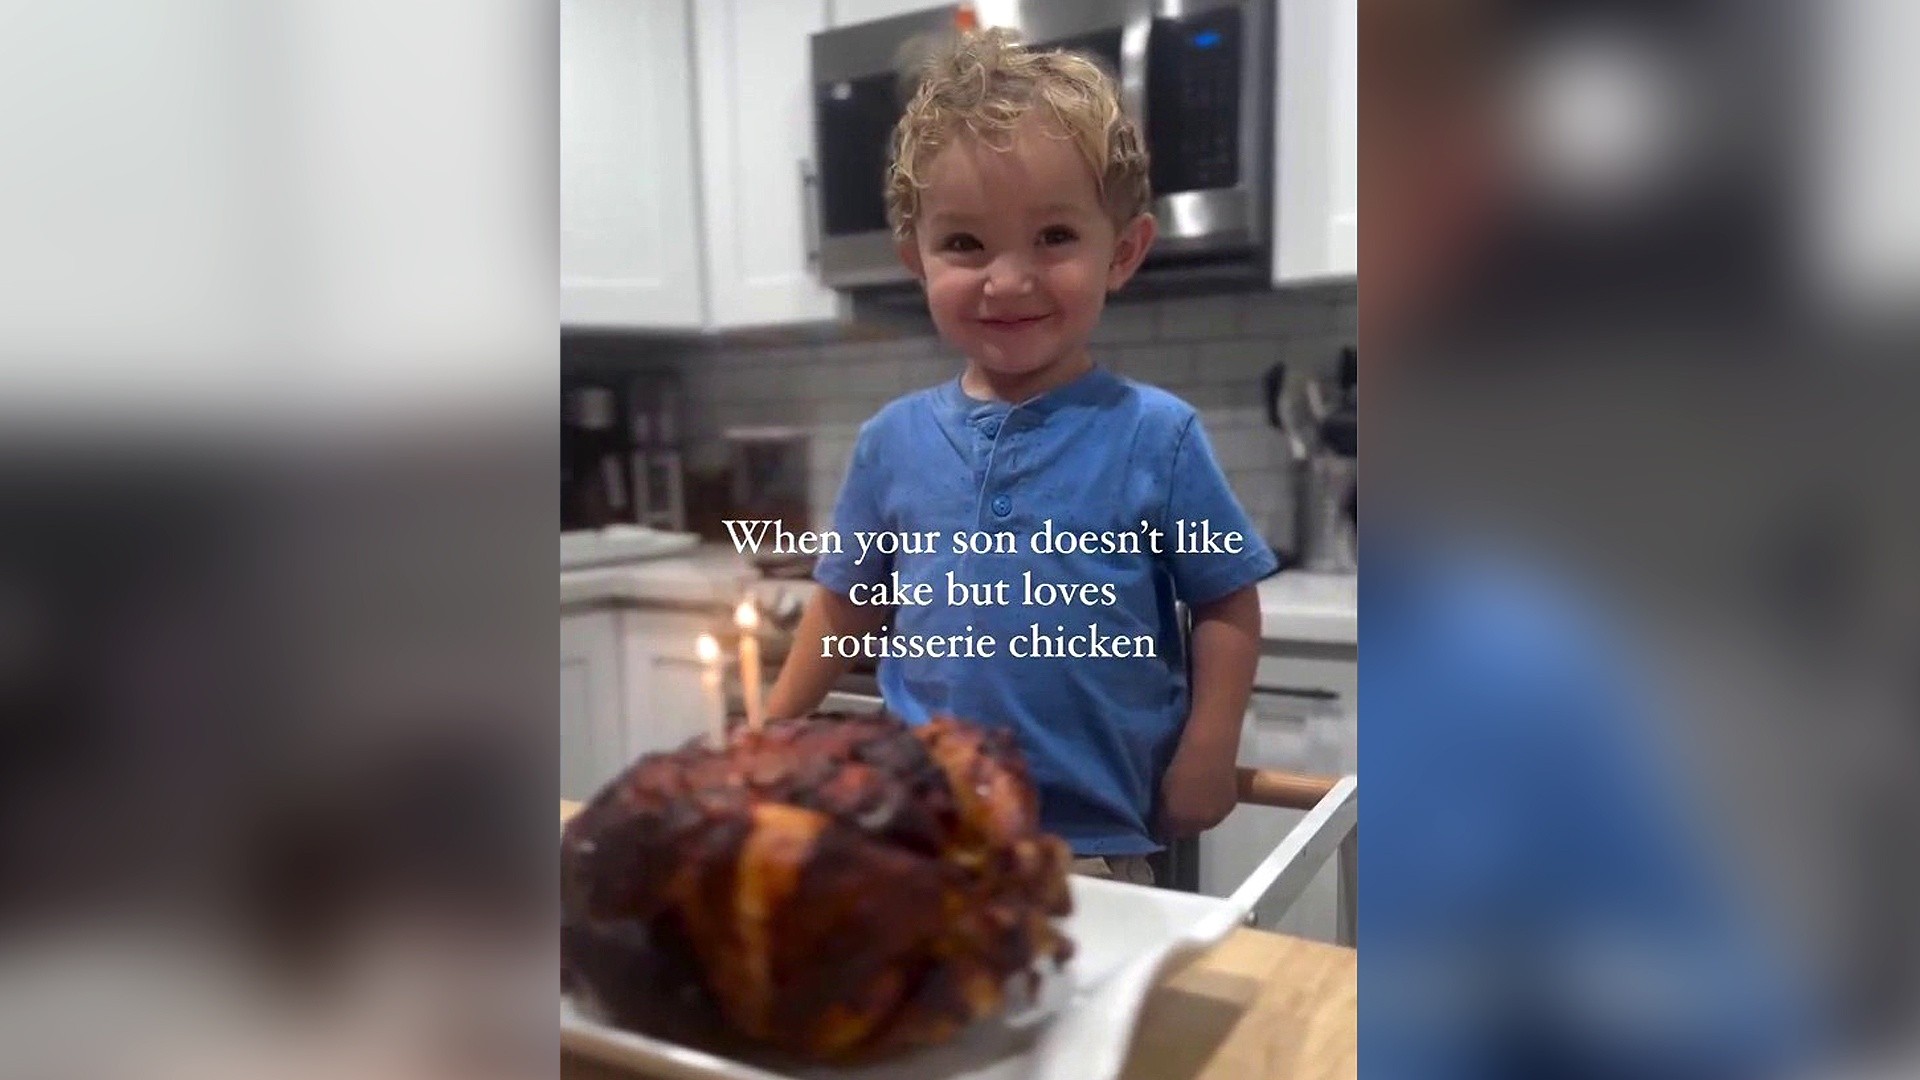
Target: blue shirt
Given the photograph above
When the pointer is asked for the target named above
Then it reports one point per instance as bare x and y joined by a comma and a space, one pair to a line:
1536, 898
1102, 455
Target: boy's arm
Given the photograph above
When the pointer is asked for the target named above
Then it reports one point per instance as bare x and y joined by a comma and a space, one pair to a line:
807, 676
1198, 791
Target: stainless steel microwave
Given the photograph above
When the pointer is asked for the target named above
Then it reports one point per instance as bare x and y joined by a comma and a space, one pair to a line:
1197, 76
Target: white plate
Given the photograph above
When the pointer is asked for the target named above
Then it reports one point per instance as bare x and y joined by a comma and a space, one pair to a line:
1126, 939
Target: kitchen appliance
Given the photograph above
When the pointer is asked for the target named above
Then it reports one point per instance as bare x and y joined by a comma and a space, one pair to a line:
659, 473
1323, 439
596, 481
1197, 76
620, 452
771, 471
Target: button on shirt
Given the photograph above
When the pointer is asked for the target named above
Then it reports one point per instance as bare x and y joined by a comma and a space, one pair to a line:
1100, 455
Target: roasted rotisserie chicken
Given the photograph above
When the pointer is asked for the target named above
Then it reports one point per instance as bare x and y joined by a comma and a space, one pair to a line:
837, 888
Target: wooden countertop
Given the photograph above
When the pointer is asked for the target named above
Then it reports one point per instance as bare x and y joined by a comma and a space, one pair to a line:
1260, 1007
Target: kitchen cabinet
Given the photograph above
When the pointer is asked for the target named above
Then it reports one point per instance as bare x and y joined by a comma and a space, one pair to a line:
1316, 168
850, 12
756, 139
629, 685
629, 235
591, 702
1302, 719
683, 129
660, 673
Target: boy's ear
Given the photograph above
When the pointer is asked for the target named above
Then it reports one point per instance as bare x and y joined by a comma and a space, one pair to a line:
909, 251
1129, 248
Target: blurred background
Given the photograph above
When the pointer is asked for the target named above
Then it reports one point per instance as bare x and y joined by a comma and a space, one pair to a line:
281, 401
277, 366
1645, 289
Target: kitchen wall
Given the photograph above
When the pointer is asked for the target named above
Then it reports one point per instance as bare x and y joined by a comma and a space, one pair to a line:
1212, 351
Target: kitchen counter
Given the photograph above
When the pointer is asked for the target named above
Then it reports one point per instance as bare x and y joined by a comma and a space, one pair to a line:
615, 544
709, 576
1259, 1007
1319, 608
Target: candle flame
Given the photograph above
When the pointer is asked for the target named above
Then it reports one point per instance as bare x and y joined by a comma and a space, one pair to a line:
707, 648
745, 617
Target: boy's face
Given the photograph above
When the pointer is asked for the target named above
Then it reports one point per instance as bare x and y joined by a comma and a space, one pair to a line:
1016, 252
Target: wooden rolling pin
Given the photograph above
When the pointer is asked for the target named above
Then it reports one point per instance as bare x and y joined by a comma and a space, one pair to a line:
1286, 790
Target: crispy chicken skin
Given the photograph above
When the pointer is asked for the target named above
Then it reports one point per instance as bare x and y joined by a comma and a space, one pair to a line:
838, 888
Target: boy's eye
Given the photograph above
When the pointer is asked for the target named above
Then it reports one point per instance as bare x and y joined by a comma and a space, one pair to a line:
1058, 234
960, 242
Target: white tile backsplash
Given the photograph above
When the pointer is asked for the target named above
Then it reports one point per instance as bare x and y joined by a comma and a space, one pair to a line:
1318, 352
1235, 361
1127, 321
1208, 397
1169, 366
1242, 449
1237, 414
1200, 318
930, 370
1293, 314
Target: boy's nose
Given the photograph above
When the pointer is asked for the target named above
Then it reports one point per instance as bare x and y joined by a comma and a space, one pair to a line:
1009, 276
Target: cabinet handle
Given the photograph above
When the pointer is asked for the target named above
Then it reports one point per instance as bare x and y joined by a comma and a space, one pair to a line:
809, 212
1300, 692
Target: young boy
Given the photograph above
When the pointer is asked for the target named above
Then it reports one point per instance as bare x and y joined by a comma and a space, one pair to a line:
1018, 193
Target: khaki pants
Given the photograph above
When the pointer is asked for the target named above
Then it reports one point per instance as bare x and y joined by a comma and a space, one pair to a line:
1132, 869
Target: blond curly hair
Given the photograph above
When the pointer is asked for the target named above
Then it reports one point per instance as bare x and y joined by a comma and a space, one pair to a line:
981, 85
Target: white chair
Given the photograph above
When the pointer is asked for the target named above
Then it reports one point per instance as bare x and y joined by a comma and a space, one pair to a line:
1330, 830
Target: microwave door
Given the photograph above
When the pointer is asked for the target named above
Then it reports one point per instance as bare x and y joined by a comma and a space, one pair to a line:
1207, 70
856, 118
854, 121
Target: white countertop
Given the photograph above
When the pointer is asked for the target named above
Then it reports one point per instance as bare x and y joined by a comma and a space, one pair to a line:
620, 545
1294, 606
1322, 608
711, 575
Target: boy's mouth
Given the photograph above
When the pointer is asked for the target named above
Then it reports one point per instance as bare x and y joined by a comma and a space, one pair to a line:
1002, 322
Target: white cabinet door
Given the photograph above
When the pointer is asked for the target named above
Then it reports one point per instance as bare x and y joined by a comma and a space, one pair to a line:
592, 743
1302, 718
665, 702
849, 12
1301, 734
756, 130
1316, 168
629, 233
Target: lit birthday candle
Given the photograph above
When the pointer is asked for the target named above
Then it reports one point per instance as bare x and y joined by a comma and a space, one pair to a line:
708, 649
748, 620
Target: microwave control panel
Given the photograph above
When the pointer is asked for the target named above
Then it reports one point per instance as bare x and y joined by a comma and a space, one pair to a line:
1196, 67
